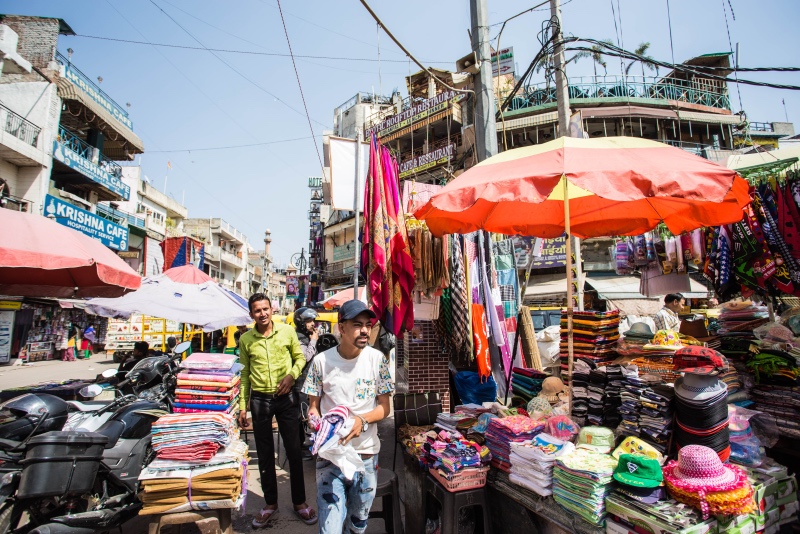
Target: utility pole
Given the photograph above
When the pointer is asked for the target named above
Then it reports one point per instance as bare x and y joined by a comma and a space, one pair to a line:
562, 91
485, 108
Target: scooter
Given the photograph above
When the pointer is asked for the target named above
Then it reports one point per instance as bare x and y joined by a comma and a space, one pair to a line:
78, 482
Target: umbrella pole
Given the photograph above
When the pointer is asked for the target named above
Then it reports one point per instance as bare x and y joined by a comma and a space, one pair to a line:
567, 230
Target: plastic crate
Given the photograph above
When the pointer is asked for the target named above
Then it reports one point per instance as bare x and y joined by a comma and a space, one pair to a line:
467, 479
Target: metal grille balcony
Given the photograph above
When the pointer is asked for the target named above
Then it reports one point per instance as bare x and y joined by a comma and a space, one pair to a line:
19, 127
120, 217
607, 88
87, 151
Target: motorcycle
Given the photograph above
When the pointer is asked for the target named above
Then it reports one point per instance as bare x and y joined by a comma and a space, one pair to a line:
77, 481
152, 378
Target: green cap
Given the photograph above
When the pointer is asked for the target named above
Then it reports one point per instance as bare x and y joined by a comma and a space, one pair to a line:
638, 471
596, 438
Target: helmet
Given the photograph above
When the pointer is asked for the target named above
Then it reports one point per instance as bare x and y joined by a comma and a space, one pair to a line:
304, 314
326, 341
20, 415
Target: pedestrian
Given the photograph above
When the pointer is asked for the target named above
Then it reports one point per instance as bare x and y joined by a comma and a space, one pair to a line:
304, 319
667, 317
272, 360
69, 353
356, 376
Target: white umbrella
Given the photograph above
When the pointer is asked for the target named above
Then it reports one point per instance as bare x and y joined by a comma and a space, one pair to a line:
183, 294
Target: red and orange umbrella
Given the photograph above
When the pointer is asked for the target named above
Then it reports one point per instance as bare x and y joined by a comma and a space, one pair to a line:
615, 186
588, 188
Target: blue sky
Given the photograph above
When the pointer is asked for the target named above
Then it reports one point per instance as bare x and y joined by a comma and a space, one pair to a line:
189, 99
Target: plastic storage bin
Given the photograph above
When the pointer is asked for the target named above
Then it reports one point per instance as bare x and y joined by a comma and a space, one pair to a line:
467, 479
61, 463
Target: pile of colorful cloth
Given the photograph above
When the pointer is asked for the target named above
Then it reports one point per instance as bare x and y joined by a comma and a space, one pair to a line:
450, 452
170, 486
208, 383
501, 432
594, 335
192, 437
581, 373
532, 462
526, 383
581, 482
647, 410
455, 422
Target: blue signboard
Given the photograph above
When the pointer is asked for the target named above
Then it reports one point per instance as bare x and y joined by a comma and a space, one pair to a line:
87, 87
110, 234
75, 161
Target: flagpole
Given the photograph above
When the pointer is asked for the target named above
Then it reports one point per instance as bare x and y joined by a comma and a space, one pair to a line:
356, 195
570, 355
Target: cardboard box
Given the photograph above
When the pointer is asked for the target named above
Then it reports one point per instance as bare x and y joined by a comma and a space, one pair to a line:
786, 486
740, 524
789, 499
625, 516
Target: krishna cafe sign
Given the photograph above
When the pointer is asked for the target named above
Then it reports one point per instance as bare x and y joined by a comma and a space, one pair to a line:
110, 234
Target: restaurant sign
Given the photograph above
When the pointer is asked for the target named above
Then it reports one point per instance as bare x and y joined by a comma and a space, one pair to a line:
423, 110
503, 61
75, 161
98, 96
427, 161
110, 234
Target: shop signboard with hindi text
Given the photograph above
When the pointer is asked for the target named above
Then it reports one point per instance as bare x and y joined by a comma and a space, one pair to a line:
503, 61
551, 254
110, 234
421, 111
440, 156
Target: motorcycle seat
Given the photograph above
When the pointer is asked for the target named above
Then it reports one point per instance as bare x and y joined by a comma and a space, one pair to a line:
86, 406
112, 429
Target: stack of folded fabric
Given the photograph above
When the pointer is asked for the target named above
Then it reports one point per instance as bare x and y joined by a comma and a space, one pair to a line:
594, 336
192, 437
450, 452
532, 462
475, 410
526, 383
741, 316
581, 372
501, 432
612, 401
656, 414
701, 400
208, 383
781, 402
597, 395
201, 464
455, 422
581, 482
700, 479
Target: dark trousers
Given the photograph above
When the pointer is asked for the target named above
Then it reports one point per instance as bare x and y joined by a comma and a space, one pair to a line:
301, 397
287, 412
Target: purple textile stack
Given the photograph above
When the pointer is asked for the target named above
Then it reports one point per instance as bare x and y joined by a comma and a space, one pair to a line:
501, 432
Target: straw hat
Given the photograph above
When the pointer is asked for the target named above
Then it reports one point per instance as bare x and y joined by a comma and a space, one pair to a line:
699, 469
552, 389
665, 339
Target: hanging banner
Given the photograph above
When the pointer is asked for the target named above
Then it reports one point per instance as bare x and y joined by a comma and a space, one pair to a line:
110, 234
424, 109
552, 254
503, 61
291, 287
343, 172
440, 156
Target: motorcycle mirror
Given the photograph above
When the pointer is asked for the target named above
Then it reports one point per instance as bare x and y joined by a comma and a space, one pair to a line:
183, 347
109, 373
91, 391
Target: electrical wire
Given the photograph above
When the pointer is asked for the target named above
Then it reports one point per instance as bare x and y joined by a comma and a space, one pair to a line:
206, 149
231, 67
534, 8
300, 86
736, 59
248, 52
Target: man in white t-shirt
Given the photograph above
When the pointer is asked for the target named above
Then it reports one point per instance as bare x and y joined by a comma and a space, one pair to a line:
356, 376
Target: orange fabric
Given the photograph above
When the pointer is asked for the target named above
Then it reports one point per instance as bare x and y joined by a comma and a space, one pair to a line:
481, 341
618, 186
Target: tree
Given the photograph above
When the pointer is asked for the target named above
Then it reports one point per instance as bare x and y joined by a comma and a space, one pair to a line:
596, 54
646, 61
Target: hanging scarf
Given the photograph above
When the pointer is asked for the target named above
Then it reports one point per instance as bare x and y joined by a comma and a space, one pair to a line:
458, 295
481, 341
785, 268
787, 224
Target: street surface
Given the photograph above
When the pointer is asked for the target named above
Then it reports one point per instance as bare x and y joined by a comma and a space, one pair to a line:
285, 521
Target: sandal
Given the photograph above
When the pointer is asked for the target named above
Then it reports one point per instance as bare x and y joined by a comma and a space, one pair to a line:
264, 517
307, 515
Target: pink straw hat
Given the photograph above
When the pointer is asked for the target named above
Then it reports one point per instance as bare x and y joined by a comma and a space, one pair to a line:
699, 469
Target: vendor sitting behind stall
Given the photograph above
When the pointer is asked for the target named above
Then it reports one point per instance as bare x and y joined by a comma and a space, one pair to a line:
140, 350
667, 317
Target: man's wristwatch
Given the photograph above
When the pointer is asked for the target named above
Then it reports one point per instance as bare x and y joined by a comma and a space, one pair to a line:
364, 424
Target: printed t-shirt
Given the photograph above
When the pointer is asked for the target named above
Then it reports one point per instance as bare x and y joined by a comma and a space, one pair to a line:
352, 383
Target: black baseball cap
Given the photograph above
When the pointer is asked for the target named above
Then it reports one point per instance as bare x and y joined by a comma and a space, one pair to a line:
352, 309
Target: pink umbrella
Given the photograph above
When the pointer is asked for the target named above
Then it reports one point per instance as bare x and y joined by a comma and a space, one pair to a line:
41, 258
337, 299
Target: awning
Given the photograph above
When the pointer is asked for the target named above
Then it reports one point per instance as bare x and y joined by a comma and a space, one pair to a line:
546, 287
627, 287
709, 117
627, 111
68, 91
526, 122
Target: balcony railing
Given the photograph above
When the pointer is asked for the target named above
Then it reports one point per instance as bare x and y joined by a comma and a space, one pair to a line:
19, 127
88, 152
233, 259
626, 88
765, 127
223, 225
698, 149
120, 217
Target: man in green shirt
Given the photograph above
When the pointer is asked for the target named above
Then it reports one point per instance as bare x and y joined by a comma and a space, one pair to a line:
272, 360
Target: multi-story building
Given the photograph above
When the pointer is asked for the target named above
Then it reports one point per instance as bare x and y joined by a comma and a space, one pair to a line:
761, 136
75, 133
226, 252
